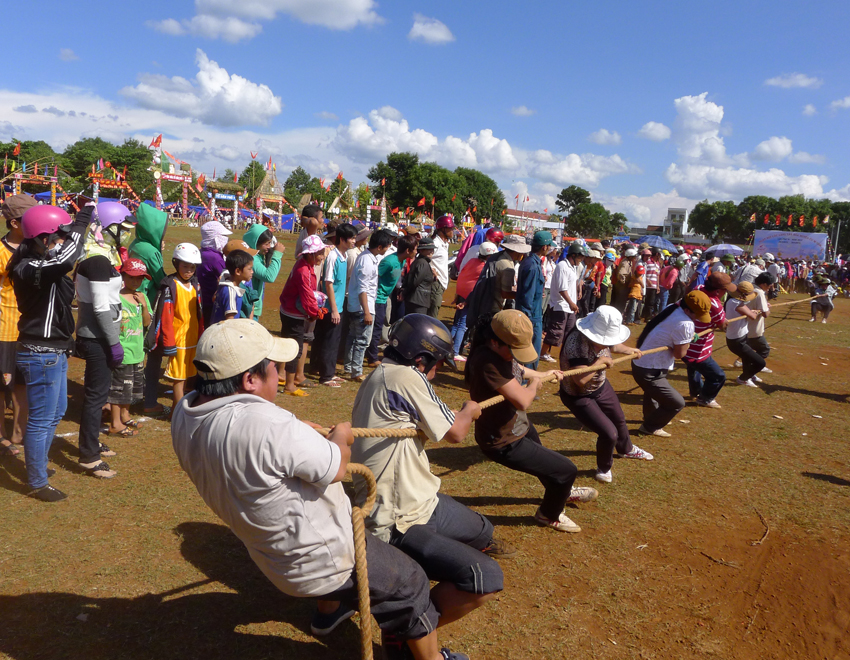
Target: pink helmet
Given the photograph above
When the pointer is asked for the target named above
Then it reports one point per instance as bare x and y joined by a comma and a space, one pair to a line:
45, 219
445, 222
494, 235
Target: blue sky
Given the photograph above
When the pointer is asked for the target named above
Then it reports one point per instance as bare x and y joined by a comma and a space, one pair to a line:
647, 105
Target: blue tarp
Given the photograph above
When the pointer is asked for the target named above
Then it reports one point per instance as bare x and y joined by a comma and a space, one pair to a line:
287, 221
45, 196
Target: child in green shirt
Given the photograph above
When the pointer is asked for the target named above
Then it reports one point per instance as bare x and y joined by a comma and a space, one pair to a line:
128, 380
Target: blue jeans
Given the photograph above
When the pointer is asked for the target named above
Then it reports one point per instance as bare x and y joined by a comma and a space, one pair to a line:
713, 375
359, 336
661, 301
378, 326
46, 378
459, 330
536, 338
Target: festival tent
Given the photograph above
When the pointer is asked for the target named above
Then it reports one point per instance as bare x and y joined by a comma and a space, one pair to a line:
45, 196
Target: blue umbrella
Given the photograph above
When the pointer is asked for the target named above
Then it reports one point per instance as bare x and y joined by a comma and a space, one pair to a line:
659, 242
724, 248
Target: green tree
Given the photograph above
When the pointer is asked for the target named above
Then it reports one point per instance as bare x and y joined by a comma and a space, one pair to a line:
251, 178
589, 220
296, 184
619, 222
720, 221
227, 177
398, 173
569, 199
488, 197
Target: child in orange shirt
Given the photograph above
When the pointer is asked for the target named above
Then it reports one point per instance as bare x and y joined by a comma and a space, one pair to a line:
637, 286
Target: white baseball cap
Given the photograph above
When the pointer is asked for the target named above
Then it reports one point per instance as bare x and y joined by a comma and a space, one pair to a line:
230, 348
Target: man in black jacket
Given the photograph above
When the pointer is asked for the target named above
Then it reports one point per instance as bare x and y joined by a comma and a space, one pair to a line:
39, 268
419, 280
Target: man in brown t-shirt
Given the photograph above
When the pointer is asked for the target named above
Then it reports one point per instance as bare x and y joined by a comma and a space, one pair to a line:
504, 433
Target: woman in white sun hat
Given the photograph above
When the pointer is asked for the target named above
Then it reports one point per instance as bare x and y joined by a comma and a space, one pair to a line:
590, 396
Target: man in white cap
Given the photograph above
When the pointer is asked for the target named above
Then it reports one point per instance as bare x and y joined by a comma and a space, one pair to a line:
275, 482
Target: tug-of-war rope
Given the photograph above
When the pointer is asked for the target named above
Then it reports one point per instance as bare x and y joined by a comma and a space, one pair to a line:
359, 514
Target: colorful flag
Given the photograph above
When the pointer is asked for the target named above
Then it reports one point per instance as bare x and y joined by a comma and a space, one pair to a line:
825, 220
17, 150
383, 182
235, 177
269, 166
802, 220
339, 176
156, 142
395, 210
753, 217
421, 202
503, 211
213, 174
433, 200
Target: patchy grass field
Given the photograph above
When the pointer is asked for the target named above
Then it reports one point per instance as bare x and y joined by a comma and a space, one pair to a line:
668, 565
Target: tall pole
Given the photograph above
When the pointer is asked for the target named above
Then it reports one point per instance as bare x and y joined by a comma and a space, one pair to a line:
835, 249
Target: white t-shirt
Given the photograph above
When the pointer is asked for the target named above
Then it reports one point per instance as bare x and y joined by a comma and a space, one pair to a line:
774, 270
440, 261
364, 278
735, 329
675, 330
399, 397
757, 304
268, 476
565, 278
548, 271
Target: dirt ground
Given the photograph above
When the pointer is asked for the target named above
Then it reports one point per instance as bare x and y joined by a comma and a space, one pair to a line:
733, 543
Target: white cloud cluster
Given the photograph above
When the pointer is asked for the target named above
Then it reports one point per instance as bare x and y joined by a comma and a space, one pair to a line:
840, 104
329, 116
522, 111
773, 149
234, 21
701, 181
604, 136
67, 55
429, 31
655, 131
697, 131
216, 97
790, 80
586, 170
809, 110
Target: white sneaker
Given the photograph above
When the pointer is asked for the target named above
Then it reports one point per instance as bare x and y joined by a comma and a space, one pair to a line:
708, 404
583, 494
767, 371
738, 363
547, 358
747, 383
824, 321
460, 358
661, 433
604, 477
562, 524
639, 454
812, 320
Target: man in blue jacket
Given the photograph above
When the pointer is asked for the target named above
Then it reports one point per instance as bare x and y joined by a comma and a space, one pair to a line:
529, 287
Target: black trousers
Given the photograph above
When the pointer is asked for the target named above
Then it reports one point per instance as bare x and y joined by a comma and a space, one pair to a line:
555, 471
751, 360
325, 348
661, 401
153, 371
96, 382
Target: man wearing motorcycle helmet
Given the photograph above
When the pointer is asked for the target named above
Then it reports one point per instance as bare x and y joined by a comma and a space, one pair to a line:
445, 537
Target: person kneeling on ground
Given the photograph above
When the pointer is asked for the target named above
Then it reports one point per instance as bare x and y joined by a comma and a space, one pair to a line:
276, 483
590, 396
449, 541
501, 344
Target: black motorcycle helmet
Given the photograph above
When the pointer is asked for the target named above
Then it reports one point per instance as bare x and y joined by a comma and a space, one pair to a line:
421, 336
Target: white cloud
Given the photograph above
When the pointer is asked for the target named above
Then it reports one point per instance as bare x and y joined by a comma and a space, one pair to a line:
371, 138
26, 109
653, 130
53, 110
234, 21
327, 115
215, 97
429, 31
697, 130
840, 104
522, 111
789, 80
804, 157
229, 28
773, 149
586, 170
67, 55
604, 136
645, 210
701, 181
809, 110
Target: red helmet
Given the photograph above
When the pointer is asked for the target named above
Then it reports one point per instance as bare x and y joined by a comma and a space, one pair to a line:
494, 235
445, 222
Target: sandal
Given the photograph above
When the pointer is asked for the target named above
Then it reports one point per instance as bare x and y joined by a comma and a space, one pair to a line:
133, 424
126, 432
331, 383
99, 470
9, 449
105, 450
298, 392
164, 412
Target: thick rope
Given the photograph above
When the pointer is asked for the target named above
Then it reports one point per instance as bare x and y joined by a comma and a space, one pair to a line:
487, 403
361, 570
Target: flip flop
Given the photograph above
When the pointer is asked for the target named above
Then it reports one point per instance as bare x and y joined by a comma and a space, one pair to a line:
163, 413
298, 392
331, 383
9, 449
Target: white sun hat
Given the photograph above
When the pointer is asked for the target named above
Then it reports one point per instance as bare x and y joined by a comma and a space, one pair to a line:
604, 326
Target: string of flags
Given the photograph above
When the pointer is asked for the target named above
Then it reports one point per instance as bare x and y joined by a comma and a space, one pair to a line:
790, 220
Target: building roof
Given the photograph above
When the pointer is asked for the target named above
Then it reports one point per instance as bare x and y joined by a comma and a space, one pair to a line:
526, 215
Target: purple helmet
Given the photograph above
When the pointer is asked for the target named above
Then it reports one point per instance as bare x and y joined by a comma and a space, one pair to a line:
445, 222
40, 220
113, 213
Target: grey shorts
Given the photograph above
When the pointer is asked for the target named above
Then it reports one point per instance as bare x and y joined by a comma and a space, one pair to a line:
128, 384
558, 324
398, 589
449, 548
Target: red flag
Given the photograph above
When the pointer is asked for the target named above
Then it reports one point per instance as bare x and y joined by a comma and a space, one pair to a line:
503, 211
213, 174
383, 182
766, 218
433, 200
17, 150
235, 177
254, 154
474, 209
202, 180
789, 220
322, 183
801, 221
421, 202
395, 210
778, 218
156, 142
453, 196
814, 222
517, 197
269, 166
527, 198
546, 210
